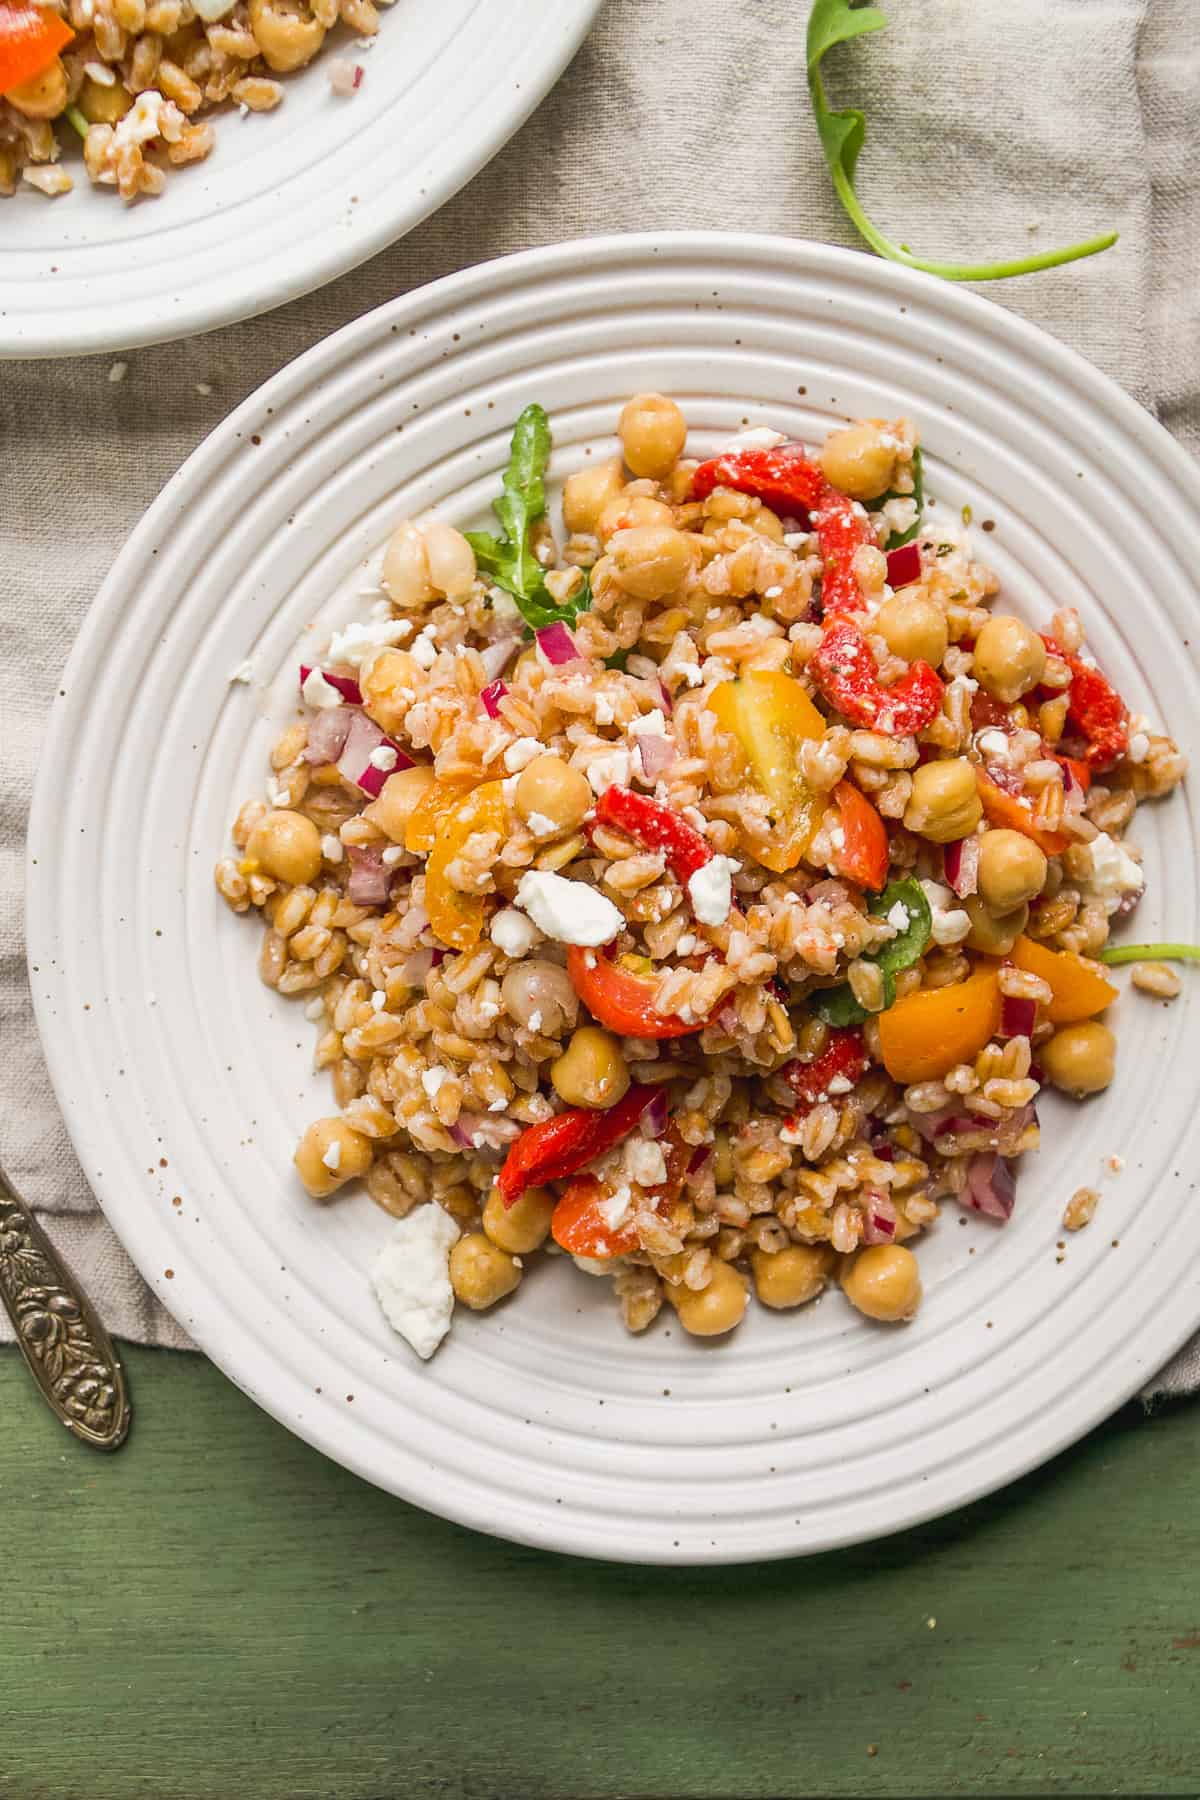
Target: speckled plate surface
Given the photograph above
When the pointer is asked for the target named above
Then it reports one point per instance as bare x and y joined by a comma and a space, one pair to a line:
543, 1421
287, 201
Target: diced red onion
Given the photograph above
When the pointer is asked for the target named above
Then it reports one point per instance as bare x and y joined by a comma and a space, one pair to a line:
416, 967
830, 893
668, 703
491, 696
346, 685
463, 1130
327, 733
991, 1186
880, 1224
657, 1114
496, 657
1074, 797
439, 957
656, 753
1010, 780
1016, 1016
960, 863
370, 877
556, 644
904, 565
362, 740
699, 1158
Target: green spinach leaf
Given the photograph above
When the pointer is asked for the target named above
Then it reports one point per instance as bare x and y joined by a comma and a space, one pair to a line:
509, 559
837, 1005
842, 134
918, 494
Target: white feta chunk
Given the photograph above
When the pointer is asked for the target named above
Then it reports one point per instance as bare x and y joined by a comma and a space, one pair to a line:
411, 1277
710, 890
570, 912
513, 932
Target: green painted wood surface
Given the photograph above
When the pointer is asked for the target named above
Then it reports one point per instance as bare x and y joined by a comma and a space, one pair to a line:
219, 1612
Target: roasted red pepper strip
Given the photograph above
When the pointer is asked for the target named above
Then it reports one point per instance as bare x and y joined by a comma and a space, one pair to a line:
1094, 708
655, 827
568, 1142
579, 1226
783, 479
842, 530
30, 39
844, 1058
844, 670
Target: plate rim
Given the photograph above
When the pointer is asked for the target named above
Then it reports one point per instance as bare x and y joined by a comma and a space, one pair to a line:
801, 257
331, 258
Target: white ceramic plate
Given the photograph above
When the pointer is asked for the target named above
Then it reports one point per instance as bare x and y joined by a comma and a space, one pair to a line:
287, 201
186, 1083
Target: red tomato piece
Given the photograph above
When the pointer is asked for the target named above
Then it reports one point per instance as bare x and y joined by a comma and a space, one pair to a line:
621, 1000
864, 854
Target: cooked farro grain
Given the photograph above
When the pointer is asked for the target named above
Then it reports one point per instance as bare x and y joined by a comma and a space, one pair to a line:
689, 997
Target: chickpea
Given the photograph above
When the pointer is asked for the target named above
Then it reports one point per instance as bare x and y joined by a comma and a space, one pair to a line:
287, 35
1080, 1059
884, 1282
551, 789
993, 934
103, 105
715, 1309
287, 846
913, 628
1012, 869
944, 804
626, 511
406, 577
44, 95
591, 1070
857, 460
398, 800
791, 1277
652, 431
588, 491
522, 1227
1009, 658
650, 561
389, 683
449, 558
539, 995
481, 1272
348, 1151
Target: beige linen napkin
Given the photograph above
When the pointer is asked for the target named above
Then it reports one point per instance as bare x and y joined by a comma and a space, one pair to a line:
991, 128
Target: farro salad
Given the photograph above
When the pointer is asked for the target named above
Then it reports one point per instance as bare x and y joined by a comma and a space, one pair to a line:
137, 82
705, 897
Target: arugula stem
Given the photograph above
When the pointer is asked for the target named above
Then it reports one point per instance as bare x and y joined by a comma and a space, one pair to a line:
1127, 953
76, 118
883, 246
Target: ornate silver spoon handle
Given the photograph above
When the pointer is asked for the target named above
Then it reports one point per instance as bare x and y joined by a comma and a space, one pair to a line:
68, 1350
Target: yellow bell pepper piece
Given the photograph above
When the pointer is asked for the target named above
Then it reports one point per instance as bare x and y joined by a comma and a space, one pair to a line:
439, 798
771, 715
457, 918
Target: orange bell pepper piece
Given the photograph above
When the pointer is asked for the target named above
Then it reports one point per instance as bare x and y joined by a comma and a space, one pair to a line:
1014, 812
864, 853
457, 918
439, 798
1078, 989
30, 39
926, 1033
771, 715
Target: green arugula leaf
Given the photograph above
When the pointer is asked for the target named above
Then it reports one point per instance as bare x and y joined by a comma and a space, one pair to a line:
842, 134
1127, 953
509, 559
837, 1005
918, 494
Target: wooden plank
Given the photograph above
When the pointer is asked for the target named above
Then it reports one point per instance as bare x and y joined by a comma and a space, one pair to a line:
219, 1612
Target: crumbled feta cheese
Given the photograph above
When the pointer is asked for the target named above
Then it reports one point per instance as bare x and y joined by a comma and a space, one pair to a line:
359, 641
535, 1019
792, 1132
521, 753
1139, 747
319, 693
1113, 873
644, 1162
899, 515
653, 724
614, 1208
757, 437
243, 673
796, 540
604, 710
949, 925
432, 1080
513, 933
541, 825
710, 889
686, 944
331, 848
411, 1277
837, 837
384, 757
424, 649
570, 912
691, 673
610, 768
332, 1156
898, 916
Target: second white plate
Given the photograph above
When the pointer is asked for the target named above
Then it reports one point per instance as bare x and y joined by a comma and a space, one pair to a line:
186, 1083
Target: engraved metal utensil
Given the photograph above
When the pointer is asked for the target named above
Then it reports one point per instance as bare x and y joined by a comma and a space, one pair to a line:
67, 1348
